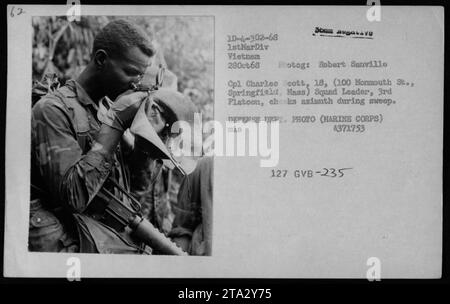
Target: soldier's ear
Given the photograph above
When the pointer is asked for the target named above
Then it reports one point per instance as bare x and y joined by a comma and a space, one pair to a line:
100, 57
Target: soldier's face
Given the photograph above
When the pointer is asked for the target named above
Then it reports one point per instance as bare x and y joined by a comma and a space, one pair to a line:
120, 72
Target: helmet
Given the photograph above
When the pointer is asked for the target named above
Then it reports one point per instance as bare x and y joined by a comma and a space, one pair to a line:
177, 107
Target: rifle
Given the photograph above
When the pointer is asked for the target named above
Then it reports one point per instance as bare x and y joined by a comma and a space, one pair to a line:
142, 228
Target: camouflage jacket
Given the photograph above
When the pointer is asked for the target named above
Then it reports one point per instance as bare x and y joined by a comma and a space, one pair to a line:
63, 166
193, 211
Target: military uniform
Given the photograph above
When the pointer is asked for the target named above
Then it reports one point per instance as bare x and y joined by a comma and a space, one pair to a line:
67, 214
193, 212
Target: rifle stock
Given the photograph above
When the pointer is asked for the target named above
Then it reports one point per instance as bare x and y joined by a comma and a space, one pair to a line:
142, 228
146, 232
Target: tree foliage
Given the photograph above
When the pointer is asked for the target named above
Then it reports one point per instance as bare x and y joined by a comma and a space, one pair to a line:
186, 42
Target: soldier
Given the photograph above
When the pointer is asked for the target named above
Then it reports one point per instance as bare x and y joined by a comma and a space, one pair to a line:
77, 152
157, 199
192, 226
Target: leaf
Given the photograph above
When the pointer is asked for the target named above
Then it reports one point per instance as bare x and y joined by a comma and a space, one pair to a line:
70, 56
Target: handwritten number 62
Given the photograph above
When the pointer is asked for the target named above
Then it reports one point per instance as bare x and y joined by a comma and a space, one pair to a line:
20, 11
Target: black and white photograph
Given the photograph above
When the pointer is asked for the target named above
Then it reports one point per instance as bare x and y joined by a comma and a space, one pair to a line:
203, 142
98, 185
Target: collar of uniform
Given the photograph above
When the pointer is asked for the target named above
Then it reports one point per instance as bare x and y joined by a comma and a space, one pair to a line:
83, 97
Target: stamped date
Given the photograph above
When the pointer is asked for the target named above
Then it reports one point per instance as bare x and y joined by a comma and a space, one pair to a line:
310, 173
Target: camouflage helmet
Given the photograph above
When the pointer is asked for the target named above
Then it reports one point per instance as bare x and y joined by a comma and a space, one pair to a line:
177, 107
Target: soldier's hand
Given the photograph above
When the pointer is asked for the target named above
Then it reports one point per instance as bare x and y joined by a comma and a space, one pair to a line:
122, 111
183, 242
